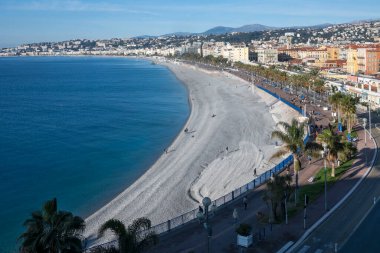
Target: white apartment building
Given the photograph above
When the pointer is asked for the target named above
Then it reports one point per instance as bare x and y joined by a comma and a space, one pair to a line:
267, 55
236, 53
212, 48
195, 48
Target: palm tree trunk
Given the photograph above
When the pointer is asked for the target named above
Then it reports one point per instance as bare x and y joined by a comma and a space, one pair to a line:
275, 212
333, 168
122, 245
296, 167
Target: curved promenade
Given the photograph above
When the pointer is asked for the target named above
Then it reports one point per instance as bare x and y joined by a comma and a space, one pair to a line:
192, 237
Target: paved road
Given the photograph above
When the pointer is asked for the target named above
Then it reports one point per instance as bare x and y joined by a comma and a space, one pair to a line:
341, 224
367, 234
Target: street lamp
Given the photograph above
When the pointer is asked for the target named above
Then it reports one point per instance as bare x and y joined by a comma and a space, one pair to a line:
365, 133
369, 118
365, 138
204, 217
324, 154
365, 95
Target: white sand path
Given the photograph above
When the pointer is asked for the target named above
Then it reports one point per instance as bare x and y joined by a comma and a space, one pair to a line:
198, 162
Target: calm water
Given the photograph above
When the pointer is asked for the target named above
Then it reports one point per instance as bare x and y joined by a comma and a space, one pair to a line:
79, 129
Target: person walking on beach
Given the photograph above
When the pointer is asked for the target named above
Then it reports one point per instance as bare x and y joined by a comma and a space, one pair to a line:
245, 202
255, 172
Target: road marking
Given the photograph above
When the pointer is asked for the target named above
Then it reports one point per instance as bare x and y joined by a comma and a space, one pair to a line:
285, 247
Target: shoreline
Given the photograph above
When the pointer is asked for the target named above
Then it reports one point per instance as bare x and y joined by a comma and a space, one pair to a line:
193, 177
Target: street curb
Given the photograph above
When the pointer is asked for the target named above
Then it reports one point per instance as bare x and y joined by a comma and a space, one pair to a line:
337, 205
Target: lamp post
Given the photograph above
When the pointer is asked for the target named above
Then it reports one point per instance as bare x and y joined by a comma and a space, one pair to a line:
271, 218
365, 138
204, 217
286, 208
365, 133
324, 154
369, 118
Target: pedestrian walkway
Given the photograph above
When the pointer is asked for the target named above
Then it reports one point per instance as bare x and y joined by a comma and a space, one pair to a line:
193, 237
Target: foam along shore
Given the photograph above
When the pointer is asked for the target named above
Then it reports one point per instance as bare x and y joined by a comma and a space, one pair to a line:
227, 136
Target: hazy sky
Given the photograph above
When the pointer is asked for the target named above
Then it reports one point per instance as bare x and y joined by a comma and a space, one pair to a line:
23, 21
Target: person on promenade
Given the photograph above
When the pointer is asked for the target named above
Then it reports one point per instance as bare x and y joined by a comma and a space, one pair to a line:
255, 172
235, 216
245, 202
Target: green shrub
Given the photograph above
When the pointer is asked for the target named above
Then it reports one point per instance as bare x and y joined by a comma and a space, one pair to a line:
244, 229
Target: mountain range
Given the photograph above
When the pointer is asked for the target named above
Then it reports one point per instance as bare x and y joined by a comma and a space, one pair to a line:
218, 30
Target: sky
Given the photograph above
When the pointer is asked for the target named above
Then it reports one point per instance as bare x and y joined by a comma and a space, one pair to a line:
26, 21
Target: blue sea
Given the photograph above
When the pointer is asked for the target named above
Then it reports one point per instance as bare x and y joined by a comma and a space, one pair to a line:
80, 129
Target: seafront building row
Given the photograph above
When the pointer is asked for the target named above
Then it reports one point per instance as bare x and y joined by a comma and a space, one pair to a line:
348, 55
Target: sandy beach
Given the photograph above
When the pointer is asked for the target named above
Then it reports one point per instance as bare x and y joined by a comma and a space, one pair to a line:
228, 135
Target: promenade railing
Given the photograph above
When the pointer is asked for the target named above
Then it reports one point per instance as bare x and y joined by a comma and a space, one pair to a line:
191, 216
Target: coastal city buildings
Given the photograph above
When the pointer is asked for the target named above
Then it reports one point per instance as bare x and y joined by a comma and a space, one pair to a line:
347, 54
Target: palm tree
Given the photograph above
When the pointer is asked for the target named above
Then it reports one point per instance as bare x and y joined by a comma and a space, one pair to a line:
52, 231
335, 101
293, 139
345, 105
133, 239
334, 146
293, 136
278, 188
347, 152
348, 105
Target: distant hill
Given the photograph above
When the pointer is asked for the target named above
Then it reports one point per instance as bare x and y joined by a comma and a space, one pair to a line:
177, 34
320, 26
144, 37
243, 29
253, 28
218, 30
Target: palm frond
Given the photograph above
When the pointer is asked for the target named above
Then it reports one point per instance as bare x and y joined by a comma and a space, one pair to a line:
279, 153
116, 226
139, 224
313, 148
281, 136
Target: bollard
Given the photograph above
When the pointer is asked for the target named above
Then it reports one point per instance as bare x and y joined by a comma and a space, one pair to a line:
233, 195
169, 225
336, 247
